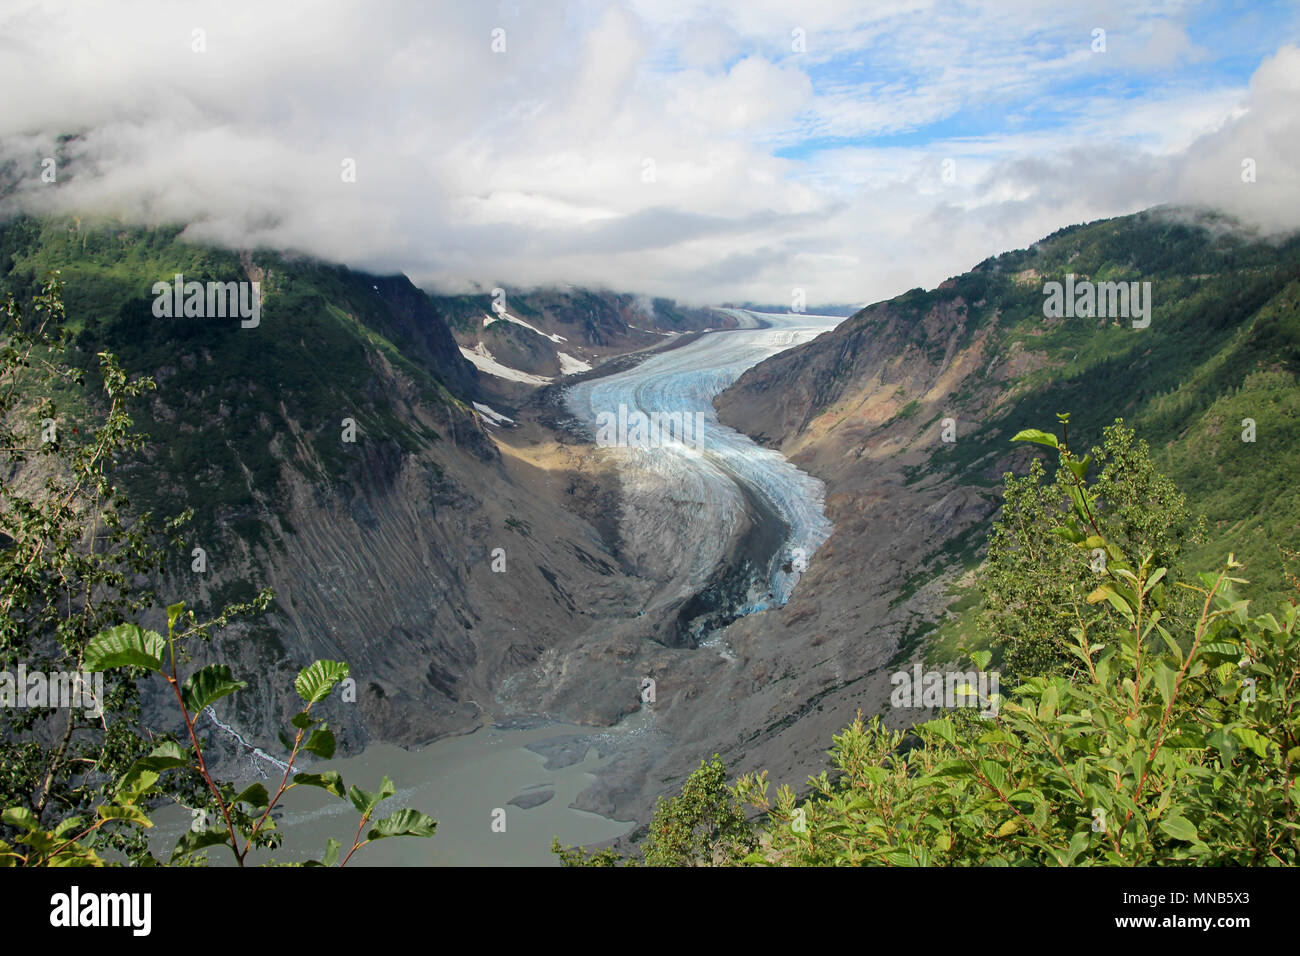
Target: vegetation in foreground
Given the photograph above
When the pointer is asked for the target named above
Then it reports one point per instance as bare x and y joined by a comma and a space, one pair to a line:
1152, 717
78, 786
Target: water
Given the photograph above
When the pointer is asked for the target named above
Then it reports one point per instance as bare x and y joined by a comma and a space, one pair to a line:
459, 781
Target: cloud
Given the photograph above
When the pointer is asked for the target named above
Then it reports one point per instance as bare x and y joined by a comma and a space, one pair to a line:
673, 148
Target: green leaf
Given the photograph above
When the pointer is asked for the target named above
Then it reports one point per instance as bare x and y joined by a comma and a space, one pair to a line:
208, 686
1010, 826
191, 842
943, 728
1037, 437
321, 742
1154, 579
70, 825
302, 720
403, 823
144, 773
1179, 828
1256, 741
365, 802
1078, 843
331, 854
174, 611
330, 780
20, 817
133, 814
1165, 677
1099, 594
254, 795
317, 679
126, 645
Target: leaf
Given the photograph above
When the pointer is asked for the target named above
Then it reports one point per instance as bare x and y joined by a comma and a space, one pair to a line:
144, 773
1165, 678
126, 645
952, 768
1078, 843
133, 814
68, 826
174, 611
1099, 594
191, 842
318, 678
331, 854
943, 728
321, 742
208, 686
1223, 741
254, 795
403, 823
1036, 436
19, 817
302, 720
1179, 828
330, 780
1257, 742
1119, 603
365, 802
1009, 827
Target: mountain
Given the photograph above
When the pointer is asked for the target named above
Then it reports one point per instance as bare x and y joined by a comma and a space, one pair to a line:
380, 549
864, 408
548, 333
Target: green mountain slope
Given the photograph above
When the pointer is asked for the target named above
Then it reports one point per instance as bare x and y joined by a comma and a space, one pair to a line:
906, 411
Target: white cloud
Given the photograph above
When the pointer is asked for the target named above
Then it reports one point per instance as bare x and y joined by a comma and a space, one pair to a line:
636, 146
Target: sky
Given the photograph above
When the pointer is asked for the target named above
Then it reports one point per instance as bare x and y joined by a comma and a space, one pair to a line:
740, 150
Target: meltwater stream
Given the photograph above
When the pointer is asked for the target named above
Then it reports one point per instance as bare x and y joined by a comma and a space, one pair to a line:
683, 502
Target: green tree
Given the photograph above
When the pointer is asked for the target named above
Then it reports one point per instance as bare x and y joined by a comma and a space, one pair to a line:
71, 559
1175, 739
1036, 578
704, 825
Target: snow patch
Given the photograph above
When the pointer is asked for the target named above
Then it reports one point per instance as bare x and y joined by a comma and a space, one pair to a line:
569, 364
484, 362
492, 416
506, 316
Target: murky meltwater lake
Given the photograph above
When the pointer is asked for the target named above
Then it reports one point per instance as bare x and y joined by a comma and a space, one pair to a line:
458, 781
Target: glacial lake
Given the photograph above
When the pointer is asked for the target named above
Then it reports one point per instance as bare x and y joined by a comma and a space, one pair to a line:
459, 781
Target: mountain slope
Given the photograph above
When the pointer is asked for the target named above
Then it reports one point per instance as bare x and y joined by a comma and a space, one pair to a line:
383, 549
863, 408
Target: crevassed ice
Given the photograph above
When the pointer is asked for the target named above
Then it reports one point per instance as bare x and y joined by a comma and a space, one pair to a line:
705, 481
